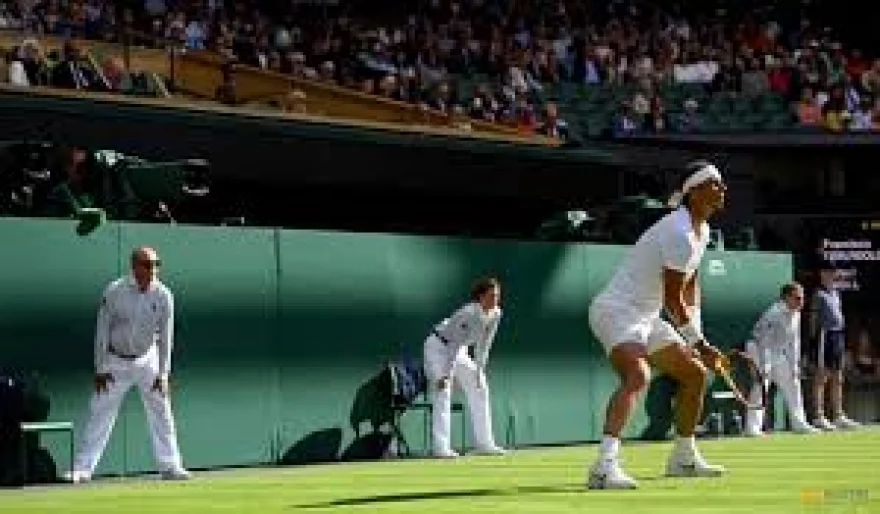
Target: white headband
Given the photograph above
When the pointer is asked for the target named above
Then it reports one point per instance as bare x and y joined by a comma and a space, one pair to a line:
707, 172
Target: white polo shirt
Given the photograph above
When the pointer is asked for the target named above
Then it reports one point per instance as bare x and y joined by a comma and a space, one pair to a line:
670, 243
468, 326
777, 336
131, 322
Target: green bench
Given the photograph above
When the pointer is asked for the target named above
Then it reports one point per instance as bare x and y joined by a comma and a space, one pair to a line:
44, 427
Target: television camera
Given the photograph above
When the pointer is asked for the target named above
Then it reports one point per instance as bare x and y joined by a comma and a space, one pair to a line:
42, 179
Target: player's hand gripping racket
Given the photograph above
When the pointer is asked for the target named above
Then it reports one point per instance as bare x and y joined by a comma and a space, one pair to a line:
739, 371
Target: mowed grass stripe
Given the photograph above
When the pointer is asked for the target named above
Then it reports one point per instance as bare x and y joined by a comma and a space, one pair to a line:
780, 473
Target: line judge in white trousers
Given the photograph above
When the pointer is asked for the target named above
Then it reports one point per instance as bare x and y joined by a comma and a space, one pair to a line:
447, 364
776, 348
133, 343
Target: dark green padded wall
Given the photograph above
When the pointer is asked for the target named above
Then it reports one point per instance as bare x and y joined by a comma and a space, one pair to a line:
279, 331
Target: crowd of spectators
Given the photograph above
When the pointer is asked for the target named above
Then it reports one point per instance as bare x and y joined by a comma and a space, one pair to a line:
67, 66
513, 53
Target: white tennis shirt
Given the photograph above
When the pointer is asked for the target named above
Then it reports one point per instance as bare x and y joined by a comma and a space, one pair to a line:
670, 243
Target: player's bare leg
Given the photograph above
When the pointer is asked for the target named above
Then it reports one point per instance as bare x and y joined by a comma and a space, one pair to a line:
629, 361
839, 416
821, 421
683, 366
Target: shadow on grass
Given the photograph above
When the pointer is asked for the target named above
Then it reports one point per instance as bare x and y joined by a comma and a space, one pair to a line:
439, 495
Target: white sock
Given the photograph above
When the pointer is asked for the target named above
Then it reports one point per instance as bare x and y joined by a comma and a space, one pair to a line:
685, 445
609, 447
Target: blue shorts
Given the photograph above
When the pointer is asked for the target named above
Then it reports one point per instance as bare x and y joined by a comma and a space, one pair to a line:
829, 352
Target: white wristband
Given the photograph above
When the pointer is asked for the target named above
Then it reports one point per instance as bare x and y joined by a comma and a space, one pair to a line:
696, 318
691, 333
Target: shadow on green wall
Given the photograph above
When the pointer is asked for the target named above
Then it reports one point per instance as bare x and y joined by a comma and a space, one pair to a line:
318, 446
373, 406
371, 419
23, 398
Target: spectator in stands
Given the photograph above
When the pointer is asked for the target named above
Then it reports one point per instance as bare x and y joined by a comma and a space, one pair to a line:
33, 61
808, 112
851, 94
525, 47
294, 101
728, 78
524, 116
779, 76
656, 120
641, 106
870, 79
196, 34
755, 81
326, 72
10, 16
15, 72
862, 117
835, 63
408, 89
586, 67
441, 99
75, 191
835, 116
626, 123
459, 119
70, 73
387, 87
117, 76
690, 119
553, 126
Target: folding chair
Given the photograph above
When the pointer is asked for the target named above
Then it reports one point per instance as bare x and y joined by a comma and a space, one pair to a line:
409, 391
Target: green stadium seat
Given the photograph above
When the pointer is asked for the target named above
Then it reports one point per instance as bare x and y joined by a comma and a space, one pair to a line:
718, 105
741, 106
780, 121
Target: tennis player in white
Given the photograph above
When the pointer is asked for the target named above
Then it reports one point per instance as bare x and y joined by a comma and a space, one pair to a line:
659, 271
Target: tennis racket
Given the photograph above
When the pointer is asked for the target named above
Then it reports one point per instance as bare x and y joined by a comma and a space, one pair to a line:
739, 372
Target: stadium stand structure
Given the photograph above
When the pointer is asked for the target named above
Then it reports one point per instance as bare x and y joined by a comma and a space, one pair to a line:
608, 68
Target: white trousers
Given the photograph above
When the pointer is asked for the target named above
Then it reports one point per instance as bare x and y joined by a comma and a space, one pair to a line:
777, 370
468, 377
104, 408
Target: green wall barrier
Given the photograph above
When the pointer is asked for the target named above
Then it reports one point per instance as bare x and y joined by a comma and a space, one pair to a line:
281, 333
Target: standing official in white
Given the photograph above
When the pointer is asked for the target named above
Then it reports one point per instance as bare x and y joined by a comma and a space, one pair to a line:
776, 349
133, 343
447, 363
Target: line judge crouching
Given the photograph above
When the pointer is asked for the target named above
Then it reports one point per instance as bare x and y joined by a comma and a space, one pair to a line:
447, 363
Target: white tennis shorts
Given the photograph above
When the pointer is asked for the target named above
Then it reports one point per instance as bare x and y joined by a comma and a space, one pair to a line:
615, 323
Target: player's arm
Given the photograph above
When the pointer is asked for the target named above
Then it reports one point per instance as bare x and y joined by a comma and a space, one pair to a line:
679, 290
692, 291
675, 286
693, 299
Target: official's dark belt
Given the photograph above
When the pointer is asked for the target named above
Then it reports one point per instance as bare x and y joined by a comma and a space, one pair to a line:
121, 355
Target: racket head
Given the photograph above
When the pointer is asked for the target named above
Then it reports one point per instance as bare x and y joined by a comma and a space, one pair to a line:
742, 375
